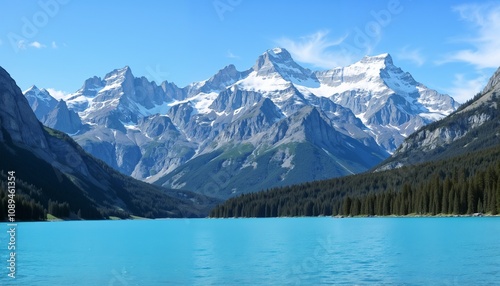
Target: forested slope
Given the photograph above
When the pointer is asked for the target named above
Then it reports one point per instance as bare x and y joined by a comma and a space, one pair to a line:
451, 166
462, 185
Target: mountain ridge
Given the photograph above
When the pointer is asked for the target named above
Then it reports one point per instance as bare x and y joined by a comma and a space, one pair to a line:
447, 168
474, 125
54, 169
372, 102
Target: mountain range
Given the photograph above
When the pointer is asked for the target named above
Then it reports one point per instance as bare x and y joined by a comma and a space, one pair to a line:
274, 124
53, 174
449, 167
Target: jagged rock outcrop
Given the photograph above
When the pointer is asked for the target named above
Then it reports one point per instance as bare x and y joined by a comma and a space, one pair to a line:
63, 119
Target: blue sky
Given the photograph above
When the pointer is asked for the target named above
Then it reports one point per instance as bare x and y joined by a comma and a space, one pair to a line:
451, 46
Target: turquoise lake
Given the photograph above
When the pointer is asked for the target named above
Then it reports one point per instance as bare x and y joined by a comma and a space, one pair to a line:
278, 251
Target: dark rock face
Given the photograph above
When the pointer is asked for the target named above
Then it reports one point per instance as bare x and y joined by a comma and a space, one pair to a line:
63, 119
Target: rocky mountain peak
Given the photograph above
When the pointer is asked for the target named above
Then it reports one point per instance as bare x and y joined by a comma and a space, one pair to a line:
117, 83
91, 85
63, 119
118, 73
273, 58
40, 101
33, 88
120, 77
229, 69
385, 59
279, 53
61, 104
41, 94
223, 78
278, 62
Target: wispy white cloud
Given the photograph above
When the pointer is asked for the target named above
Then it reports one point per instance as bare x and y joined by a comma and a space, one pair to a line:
23, 45
57, 94
413, 55
317, 49
463, 89
37, 45
485, 20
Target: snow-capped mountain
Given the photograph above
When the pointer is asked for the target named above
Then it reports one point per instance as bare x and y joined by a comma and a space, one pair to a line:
52, 113
274, 124
40, 101
388, 100
474, 126
118, 97
50, 166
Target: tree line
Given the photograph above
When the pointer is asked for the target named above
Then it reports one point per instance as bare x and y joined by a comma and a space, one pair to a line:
460, 185
26, 208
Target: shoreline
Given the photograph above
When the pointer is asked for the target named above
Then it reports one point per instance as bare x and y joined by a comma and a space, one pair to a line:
420, 216
476, 215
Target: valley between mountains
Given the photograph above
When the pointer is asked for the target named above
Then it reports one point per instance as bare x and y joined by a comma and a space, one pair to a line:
449, 167
274, 124
276, 139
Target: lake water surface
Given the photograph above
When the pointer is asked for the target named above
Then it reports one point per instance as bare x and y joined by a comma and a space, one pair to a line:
280, 251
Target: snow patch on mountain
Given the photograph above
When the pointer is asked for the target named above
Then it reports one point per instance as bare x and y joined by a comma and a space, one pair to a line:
151, 131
